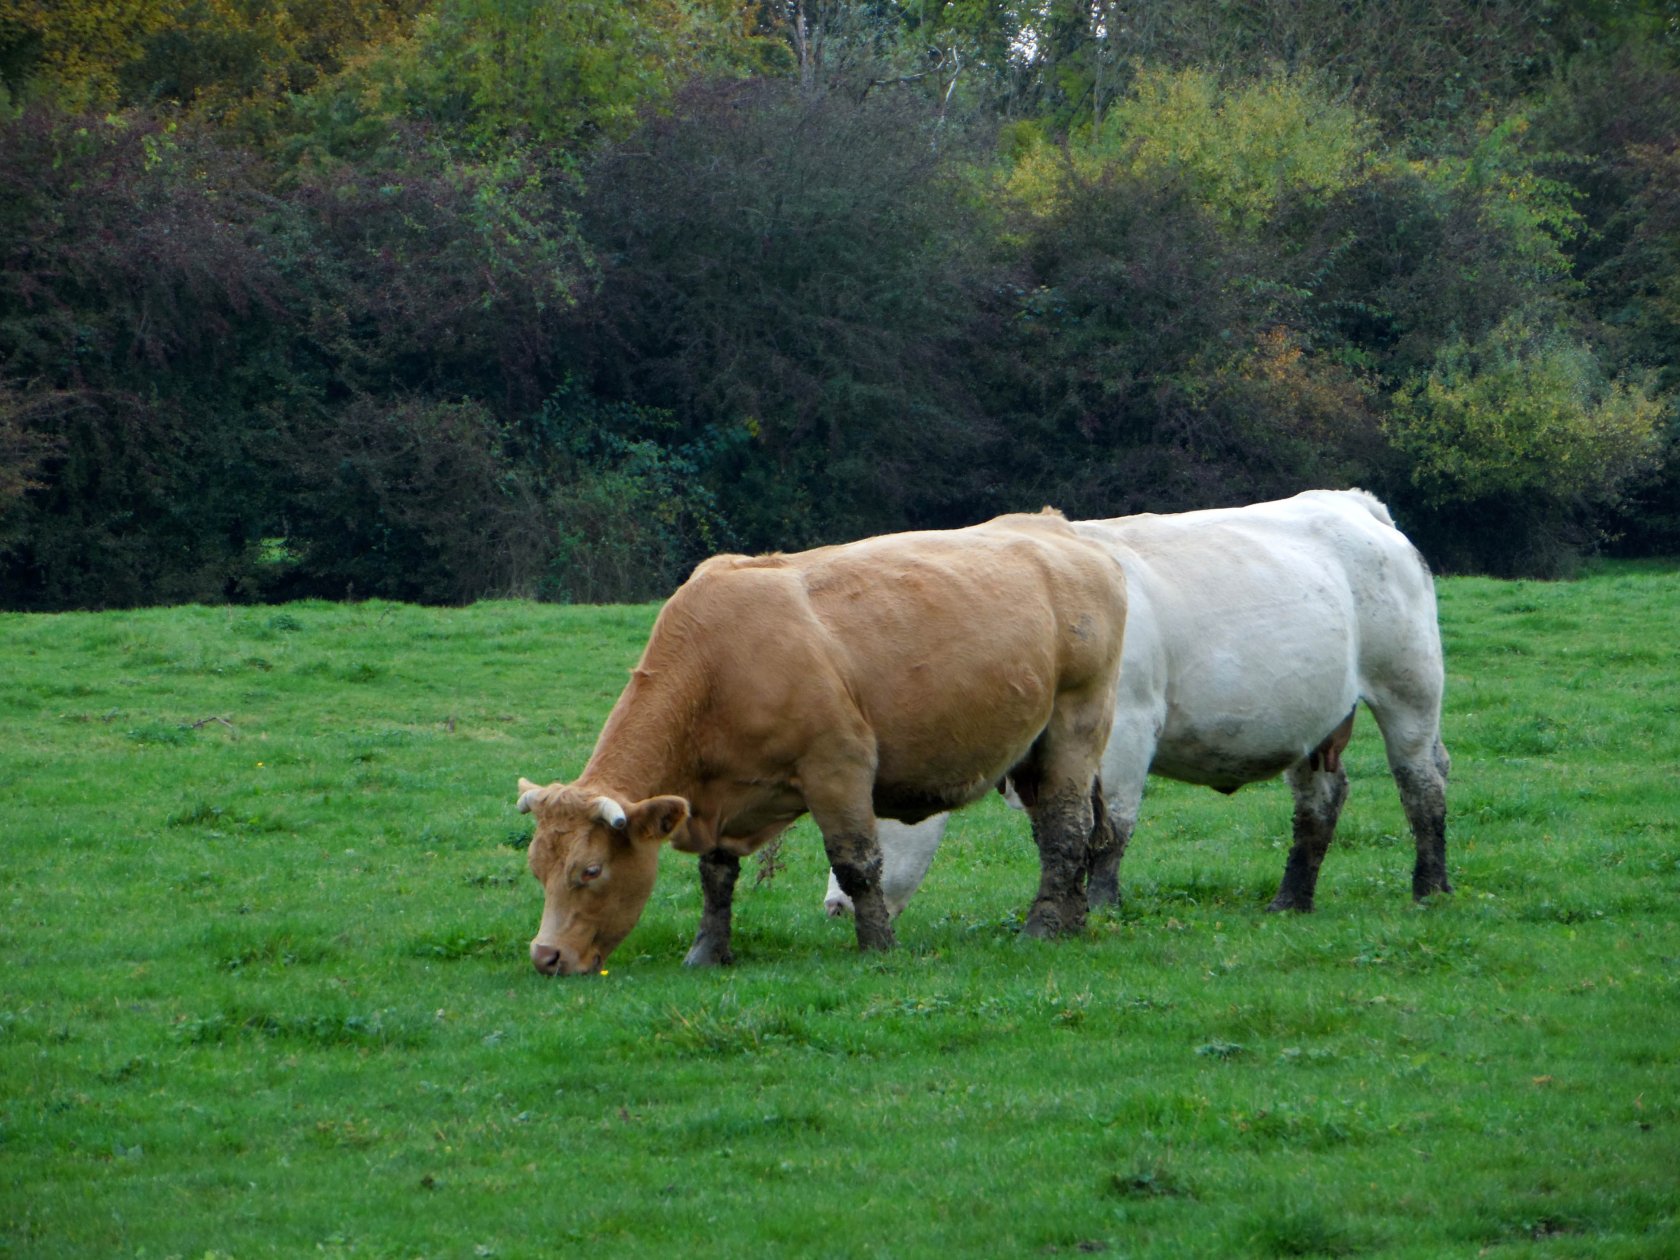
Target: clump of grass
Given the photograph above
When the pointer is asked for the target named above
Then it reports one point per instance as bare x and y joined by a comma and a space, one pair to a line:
1155, 1179
160, 734
454, 944
316, 1029
1303, 1230
1221, 1050
198, 814
726, 1029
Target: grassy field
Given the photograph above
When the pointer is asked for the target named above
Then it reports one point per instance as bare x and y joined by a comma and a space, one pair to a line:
265, 989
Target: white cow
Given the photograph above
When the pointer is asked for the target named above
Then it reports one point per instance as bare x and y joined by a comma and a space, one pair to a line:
1251, 635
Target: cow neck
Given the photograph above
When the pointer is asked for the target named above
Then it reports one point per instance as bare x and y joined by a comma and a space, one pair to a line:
645, 748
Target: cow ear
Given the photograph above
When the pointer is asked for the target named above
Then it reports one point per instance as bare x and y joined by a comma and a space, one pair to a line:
658, 819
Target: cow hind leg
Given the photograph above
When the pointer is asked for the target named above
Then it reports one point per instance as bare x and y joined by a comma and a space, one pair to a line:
1411, 727
1061, 827
1057, 785
1320, 792
718, 872
1111, 832
1102, 856
1423, 794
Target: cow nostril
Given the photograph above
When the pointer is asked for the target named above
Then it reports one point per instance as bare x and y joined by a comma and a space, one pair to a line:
545, 959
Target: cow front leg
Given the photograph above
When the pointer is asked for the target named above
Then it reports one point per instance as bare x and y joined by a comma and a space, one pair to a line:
718, 872
1061, 825
1319, 797
855, 858
838, 789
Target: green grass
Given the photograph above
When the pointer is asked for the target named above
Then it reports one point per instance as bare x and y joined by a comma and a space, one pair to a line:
265, 991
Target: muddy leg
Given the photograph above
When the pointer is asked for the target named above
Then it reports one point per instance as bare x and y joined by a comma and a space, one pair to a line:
855, 858
907, 850
1102, 862
839, 785
1061, 824
1423, 793
1319, 796
1111, 832
718, 871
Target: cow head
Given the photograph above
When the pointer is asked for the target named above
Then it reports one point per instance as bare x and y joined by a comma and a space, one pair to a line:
595, 858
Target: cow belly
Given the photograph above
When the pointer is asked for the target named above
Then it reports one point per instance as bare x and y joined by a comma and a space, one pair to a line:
912, 803
1222, 765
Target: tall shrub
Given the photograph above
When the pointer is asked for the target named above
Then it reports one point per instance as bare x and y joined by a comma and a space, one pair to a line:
135, 297
1522, 426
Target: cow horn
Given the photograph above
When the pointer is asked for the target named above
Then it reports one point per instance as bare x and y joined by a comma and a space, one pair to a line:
608, 811
528, 794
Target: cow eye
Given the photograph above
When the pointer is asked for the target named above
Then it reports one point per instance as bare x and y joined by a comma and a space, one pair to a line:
591, 873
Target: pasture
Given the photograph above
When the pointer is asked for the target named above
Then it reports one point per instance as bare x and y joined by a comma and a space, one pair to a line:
265, 990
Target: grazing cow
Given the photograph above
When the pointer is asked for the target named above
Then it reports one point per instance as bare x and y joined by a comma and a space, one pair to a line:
1251, 634
897, 677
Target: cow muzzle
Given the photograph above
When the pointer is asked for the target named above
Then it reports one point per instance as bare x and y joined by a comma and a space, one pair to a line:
556, 962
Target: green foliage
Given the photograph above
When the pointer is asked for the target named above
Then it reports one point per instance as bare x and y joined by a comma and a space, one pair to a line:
493, 73
1516, 203
1526, 413
801, 267
404, 498
134, 288
312, 276
1418, 66
429, 272
310, 1016
1242, 150
1164, 335
630, 509
230, 60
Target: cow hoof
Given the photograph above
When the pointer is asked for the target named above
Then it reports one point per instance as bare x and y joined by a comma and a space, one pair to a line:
883, 939
1281, 903
1100, 896
1046, 922
707, 953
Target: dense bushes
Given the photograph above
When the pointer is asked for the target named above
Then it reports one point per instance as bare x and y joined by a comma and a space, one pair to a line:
392, 314
801, 268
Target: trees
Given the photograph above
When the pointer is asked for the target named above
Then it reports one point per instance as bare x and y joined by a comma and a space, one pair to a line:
223, 59
1523, 427
133, 287
799, 267
444, 297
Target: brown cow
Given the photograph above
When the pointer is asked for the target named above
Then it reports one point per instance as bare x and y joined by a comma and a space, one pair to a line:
895, 677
